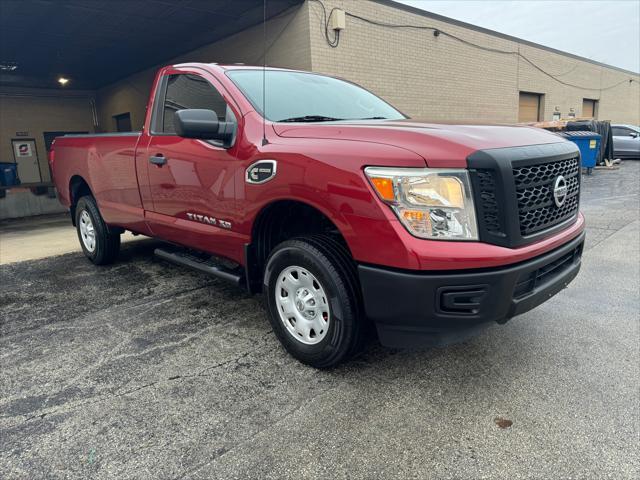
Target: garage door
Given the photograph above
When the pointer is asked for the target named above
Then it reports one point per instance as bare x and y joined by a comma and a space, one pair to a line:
529, 109
588, 108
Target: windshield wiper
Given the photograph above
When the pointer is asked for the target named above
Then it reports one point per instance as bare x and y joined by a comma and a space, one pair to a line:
310, 118
371, 118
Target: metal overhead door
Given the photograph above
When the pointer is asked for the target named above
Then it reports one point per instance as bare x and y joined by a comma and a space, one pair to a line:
529, 108
588, 108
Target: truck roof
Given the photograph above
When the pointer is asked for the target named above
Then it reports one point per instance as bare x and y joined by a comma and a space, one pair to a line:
235, 66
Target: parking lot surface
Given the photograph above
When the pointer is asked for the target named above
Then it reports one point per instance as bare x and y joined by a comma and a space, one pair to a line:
40, 237
147, 370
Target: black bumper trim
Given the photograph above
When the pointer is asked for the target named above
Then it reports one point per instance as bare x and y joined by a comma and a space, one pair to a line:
435, 308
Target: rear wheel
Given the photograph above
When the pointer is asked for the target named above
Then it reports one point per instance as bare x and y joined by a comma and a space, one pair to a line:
313, 300
98, 244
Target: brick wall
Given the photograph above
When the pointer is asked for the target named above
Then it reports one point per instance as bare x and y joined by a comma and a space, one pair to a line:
442, 79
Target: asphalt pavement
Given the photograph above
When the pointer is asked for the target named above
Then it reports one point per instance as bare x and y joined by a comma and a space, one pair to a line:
147, 370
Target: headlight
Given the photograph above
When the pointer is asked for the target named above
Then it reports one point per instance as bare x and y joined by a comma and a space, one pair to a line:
432, 203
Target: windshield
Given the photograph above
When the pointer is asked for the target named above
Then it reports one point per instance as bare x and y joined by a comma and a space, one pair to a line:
308, 97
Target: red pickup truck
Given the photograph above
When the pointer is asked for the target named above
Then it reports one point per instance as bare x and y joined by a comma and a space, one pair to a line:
343, 211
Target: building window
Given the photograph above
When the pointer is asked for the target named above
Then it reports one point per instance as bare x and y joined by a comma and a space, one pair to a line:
589, 108
530, 107
123, 122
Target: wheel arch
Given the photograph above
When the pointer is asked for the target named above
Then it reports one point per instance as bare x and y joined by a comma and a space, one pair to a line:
280, 220
78, 188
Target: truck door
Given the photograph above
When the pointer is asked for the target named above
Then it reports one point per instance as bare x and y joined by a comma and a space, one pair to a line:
626, 142
190, 182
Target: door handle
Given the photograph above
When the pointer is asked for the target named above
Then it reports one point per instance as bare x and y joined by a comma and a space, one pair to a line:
158, 160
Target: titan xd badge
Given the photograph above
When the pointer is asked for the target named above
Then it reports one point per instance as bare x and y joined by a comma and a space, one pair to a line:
201, 218
261, 171
196, 217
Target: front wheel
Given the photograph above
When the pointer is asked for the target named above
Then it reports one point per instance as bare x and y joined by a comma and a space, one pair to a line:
313, 300
98, 244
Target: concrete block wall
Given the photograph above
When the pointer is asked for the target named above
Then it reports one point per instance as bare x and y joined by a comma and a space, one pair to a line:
618, 99
442, 79
288, 46
36, 111
129, 95
427, 77
21, 202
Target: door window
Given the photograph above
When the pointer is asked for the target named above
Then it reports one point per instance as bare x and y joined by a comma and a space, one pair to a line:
620, 132
191, 91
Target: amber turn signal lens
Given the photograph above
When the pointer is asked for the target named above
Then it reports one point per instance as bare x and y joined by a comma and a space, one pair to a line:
414, 215
384, 187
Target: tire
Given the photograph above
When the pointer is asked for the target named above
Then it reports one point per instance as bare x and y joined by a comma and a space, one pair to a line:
105, 245
326, 272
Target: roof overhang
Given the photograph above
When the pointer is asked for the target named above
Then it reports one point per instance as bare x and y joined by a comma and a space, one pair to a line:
97, 42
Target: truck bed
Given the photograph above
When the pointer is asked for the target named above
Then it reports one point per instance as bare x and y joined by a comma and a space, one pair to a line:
108, 164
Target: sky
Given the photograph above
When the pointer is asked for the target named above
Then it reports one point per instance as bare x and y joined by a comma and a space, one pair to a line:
607, 31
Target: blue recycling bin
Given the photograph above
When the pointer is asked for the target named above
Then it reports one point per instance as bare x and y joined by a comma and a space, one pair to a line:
589, 145
9, 174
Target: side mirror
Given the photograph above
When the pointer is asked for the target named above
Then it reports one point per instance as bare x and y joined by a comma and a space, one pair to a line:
202, 124
633, 135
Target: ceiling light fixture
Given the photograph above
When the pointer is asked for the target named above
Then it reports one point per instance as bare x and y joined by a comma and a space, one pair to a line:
63, 81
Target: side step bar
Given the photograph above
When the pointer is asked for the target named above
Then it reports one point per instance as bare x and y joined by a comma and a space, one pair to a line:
201, 263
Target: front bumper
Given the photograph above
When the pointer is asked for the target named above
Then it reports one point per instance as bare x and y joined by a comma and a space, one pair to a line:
437, 308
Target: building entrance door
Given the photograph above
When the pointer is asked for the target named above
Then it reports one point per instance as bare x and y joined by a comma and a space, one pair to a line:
26, 156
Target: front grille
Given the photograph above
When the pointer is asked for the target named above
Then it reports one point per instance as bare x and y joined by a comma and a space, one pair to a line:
488, 208
528, 282
513, 191
537, 210
545, 172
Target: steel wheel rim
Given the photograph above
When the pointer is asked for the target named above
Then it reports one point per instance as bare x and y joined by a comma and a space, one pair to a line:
303, 305
87, 232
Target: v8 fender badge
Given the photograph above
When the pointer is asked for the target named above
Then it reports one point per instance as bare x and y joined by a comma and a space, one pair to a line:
261, 171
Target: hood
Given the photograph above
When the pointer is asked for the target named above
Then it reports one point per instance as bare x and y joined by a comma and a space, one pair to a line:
441, 145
